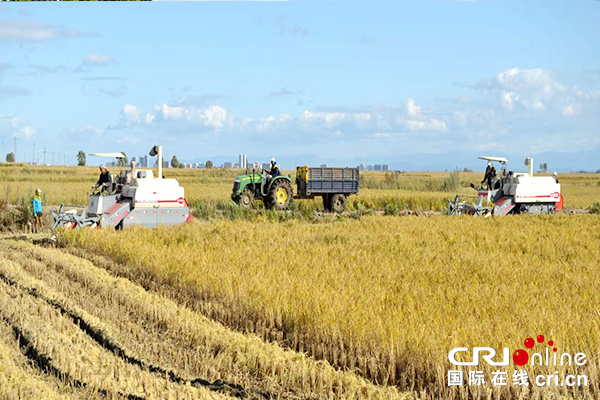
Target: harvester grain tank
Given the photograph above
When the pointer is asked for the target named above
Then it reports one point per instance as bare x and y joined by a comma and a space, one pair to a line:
334, 185
145, 200
512, 193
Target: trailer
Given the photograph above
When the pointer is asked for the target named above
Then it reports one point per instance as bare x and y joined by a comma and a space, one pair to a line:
334, 185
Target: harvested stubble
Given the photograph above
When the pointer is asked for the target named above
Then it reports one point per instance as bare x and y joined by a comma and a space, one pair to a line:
154, 334
385, 297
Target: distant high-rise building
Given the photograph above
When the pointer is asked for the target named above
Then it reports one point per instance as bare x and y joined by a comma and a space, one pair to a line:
166, 164
377, 167
369, 167
243, 161
385, 167
323, 165
362, 167
255, 165
228, 165
266, 166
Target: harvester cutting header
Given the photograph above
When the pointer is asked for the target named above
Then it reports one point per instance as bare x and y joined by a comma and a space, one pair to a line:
511, 193
135, 197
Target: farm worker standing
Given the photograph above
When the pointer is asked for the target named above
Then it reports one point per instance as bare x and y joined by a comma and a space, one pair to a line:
131, 174
104, 179
490, 174
555, 176
38, 222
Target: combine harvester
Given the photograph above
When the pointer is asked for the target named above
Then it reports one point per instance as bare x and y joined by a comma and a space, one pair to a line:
512, 193
146, 200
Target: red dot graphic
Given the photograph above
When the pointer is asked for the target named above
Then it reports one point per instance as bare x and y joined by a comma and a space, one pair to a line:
550, 343
541, 339
554, 349
529, 343
520, 357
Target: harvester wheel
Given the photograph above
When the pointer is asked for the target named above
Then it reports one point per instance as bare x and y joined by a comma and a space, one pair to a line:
338, 203
246, 199
281, 194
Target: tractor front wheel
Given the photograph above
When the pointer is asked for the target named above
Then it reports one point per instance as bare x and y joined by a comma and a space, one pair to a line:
281, 194
338, 203
245, 199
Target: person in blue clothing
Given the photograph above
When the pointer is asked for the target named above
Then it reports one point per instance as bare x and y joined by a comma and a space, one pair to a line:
38, 222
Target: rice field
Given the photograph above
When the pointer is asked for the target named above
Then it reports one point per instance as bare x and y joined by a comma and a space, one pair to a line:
260, 304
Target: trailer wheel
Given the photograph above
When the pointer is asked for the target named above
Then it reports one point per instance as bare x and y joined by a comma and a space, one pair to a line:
281, 194
337, 203
245, 199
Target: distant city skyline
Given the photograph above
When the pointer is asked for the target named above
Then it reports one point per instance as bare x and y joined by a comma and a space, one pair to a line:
416, 85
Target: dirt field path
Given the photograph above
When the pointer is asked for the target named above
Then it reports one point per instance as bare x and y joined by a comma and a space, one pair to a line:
68, 329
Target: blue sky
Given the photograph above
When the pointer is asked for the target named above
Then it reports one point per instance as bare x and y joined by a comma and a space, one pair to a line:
341, 82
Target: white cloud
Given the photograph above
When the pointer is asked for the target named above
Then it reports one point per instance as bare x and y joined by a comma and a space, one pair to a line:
411, 108
27, 131
36, 31
131, 114
98, 59
569, 110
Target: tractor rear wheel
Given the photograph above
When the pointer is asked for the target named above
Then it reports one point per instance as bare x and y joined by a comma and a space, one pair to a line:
338, 203
281, 194
246, 199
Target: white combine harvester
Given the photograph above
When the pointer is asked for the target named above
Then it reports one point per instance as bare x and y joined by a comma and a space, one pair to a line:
143, 199
512, 193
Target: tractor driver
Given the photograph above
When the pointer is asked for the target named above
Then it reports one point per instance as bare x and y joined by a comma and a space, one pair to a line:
104, 180
274, 171
490, 174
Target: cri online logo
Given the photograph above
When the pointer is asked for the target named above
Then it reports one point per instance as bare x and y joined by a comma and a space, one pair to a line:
520, 357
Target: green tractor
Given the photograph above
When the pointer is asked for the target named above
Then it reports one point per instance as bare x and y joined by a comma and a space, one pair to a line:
275, 191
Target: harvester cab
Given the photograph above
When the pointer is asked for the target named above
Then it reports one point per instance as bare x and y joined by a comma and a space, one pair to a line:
511, 193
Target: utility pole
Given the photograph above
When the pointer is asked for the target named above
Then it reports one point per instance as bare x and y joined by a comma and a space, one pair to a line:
33, 154
58, 158
44, 155
38, 160
15, 147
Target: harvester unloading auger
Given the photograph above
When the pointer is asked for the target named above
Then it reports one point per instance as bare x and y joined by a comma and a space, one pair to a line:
143, 200
511, 193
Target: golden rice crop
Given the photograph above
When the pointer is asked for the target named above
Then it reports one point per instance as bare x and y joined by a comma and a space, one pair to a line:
385, 297
412, 190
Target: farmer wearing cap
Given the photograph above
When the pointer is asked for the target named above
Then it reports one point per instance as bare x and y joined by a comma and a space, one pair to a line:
555, 176
38, 222
490, 174
104, 180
